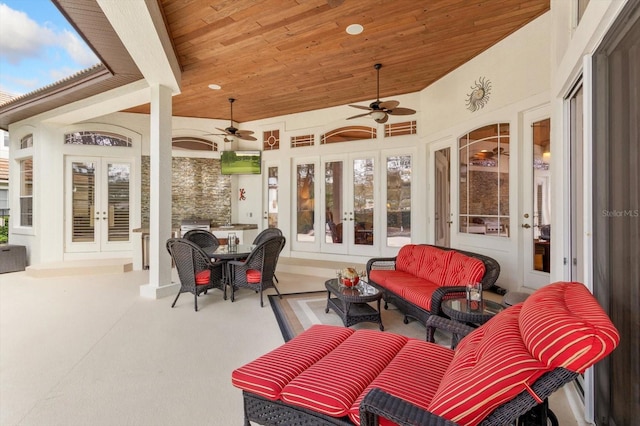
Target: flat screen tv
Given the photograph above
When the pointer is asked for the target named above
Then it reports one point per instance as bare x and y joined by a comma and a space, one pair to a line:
241, 162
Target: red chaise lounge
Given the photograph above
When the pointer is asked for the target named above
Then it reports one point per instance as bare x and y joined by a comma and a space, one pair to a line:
499, 371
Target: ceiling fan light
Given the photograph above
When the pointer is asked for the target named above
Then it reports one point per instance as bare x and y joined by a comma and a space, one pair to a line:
377, 115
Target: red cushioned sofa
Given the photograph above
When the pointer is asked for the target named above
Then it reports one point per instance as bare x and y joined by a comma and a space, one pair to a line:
498, 372
422, 275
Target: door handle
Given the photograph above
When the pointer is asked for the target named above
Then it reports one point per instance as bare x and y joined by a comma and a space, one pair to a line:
526, 226
449, 222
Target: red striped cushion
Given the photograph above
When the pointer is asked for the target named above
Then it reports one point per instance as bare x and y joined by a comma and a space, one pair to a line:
404, 280
409, 377
564, 326
379, 276
463, 269
409, 258
268, 374
491, 366
202, 277
332, 384
434, 264
419, 296
254, 276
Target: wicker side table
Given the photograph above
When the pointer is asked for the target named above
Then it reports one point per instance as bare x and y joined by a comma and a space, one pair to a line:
352, 303
468, 313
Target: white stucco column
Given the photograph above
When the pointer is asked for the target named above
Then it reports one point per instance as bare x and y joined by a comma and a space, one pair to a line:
160, 196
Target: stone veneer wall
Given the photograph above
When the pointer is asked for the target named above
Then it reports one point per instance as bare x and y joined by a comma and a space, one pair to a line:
199, 191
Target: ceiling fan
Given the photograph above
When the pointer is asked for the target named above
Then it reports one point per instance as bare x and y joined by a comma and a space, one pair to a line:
231, 132
378, 110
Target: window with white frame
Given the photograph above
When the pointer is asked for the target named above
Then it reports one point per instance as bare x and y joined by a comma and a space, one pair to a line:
26, 192
484, 181
4, 199
5, 139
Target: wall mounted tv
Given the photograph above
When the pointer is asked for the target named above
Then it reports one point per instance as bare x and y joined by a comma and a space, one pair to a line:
241, 162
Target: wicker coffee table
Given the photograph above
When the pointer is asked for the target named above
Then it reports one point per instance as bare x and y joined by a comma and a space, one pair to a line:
352, 303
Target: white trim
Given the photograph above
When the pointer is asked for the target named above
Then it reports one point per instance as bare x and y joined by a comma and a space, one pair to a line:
135, 21
587, 194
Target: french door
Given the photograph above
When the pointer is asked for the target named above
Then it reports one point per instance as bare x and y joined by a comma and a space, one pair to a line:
536, 213
362, 206
349, 223
97, 204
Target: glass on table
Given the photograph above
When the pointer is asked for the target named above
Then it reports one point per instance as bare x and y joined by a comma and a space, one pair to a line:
474, 295
232, 242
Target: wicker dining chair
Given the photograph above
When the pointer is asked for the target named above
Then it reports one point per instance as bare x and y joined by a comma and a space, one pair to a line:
203, 239
258, 269
264, 235
196, 271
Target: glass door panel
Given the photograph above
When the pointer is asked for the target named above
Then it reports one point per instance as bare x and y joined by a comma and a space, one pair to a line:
398, 203
271, 209
83, 201
118, 184
305, 202
443, 218
541, 192
334, 212
363, 201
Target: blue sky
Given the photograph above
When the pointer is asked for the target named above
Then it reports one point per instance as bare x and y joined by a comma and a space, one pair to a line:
37, 46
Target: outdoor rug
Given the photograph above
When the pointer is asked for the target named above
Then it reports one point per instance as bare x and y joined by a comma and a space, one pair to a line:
296, 312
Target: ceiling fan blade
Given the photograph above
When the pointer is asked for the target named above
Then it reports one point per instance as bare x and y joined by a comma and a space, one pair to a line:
244, 132
224, 131
388, 104
245, 137
359, 115
360, 107
383, 119
401, 111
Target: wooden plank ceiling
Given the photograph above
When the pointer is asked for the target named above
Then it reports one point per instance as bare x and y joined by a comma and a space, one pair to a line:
278, 57
284, 56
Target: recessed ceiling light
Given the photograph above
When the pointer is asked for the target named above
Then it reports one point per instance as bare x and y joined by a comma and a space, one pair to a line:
215, 87
355, 29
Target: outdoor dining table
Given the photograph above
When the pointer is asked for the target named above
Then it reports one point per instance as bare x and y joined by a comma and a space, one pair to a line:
224, 254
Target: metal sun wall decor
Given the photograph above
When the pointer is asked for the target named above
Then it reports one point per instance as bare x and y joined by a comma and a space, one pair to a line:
479, 95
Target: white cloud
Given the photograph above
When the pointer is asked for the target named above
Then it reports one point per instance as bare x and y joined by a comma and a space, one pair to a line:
23, 38
76, 48
18, 86
20, 36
